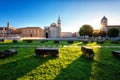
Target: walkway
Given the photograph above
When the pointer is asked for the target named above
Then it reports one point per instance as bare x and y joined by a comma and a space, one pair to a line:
49, 46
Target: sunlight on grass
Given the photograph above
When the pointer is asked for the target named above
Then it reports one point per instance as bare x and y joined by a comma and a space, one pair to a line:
21, 51
96, 51
70, 65
76, 43
92, 44
6, 41
105, 65
53, 67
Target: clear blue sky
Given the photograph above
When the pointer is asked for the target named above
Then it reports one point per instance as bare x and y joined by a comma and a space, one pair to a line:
73, 13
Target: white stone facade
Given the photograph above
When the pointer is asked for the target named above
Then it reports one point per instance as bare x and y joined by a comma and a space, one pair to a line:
54, 30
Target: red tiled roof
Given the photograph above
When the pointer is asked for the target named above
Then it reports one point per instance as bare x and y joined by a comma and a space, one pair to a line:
31, 28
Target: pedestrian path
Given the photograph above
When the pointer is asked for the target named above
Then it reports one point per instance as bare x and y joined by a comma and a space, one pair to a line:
59, 46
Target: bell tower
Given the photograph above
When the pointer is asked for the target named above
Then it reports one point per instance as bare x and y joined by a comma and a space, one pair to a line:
104, 22
8, 25
59, 22
8, 29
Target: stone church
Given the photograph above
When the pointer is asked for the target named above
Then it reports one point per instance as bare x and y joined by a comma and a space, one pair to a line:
54, 30
105, 26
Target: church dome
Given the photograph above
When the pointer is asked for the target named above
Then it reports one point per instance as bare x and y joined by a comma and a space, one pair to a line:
53, 25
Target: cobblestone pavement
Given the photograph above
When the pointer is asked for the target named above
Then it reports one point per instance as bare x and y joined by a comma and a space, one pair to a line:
57, 46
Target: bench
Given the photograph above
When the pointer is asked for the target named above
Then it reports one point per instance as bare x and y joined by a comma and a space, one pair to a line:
87, 52
54, 52
6, 53
116, 54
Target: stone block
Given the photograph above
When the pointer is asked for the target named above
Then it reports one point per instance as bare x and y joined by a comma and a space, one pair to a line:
7, 53
85, 41
70, 42
87, 52
54, 52
116, 54
56, 41
100, 41
15, 41
2, 40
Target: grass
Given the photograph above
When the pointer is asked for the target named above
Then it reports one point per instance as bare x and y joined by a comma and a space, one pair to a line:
71, 65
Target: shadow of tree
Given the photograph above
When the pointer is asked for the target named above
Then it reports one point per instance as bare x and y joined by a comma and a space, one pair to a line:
80, 69
106, 66
19, 68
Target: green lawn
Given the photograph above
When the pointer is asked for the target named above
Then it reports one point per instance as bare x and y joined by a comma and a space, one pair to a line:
70, 65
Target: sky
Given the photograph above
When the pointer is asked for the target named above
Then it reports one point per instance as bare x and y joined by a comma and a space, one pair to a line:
73, 13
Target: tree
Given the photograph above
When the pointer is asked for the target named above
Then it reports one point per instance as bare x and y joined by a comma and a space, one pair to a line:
96, 33
113, 32
102, 33
86, 30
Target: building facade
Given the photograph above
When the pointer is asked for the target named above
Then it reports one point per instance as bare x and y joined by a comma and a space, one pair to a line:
3, 31
105, 27
76, 34
9, 31
54, 30
66, 34
32, 32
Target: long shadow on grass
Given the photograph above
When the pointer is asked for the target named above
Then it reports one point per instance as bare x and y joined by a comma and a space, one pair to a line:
106, 66
17, 69
80, 69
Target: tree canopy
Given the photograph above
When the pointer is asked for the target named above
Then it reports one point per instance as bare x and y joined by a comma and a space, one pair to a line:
113, 32
86, 30
102, 33
96, 33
